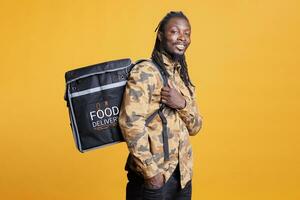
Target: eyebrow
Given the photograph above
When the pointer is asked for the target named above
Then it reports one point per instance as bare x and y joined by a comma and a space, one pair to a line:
188, 28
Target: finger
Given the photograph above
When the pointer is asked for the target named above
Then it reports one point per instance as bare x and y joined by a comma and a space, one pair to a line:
165, 98
164, 93
165, 89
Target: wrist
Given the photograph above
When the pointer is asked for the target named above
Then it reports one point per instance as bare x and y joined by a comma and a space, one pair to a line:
183, 105
155, 182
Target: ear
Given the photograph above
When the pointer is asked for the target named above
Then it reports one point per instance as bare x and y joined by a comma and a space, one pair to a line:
159, 36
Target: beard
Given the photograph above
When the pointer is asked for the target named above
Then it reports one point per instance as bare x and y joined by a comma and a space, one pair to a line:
174, 56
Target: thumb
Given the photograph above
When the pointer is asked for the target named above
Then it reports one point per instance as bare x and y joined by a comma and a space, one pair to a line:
170, 84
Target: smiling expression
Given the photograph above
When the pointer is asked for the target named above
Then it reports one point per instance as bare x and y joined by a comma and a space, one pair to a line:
176, 36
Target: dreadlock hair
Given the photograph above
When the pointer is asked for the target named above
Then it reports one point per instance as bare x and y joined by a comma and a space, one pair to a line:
157, 51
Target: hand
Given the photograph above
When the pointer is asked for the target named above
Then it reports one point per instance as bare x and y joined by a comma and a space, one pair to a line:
155, 182
171, 97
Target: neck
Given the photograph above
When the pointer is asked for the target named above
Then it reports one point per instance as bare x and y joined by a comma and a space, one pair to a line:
173, 57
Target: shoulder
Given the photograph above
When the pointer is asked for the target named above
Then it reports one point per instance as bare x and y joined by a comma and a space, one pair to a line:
146, 65
145, 70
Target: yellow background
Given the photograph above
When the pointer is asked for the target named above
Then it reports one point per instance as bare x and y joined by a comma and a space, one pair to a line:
244, 60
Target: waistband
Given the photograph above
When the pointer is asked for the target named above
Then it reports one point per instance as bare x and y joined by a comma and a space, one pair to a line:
175, 174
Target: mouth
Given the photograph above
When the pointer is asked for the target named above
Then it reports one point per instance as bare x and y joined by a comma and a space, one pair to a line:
180, 47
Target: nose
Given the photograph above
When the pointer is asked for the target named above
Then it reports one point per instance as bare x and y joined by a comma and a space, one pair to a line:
181, 37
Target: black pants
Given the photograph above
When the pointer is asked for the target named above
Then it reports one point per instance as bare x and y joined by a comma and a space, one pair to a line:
135, 189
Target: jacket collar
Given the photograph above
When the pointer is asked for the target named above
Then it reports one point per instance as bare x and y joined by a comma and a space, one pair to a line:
169, 63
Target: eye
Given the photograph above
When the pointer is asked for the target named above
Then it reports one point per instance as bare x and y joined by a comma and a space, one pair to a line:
174, 31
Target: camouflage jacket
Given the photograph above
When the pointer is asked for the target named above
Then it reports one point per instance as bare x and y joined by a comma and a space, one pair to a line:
142, 98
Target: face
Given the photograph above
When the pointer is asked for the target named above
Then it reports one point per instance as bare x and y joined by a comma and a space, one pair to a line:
176, 37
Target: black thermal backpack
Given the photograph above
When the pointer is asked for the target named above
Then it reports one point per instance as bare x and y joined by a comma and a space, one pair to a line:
94, 95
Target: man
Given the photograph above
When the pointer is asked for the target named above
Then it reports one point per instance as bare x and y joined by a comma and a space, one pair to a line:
158, 167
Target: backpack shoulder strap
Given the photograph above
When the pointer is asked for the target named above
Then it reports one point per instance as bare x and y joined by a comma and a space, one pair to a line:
163, 75
159, 111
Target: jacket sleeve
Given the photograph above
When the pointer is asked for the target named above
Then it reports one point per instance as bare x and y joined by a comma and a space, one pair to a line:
133, 113
190, 114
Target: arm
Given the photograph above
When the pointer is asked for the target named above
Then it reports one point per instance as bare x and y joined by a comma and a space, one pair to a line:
185, 105
133, 113
190, 114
